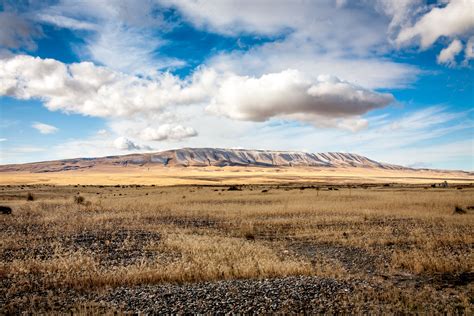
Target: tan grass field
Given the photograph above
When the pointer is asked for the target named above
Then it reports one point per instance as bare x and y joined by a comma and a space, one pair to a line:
401, 242
231, 175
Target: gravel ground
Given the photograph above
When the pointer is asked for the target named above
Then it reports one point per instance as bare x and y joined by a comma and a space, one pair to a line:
291, 294
117, 248
354, 260
120, 248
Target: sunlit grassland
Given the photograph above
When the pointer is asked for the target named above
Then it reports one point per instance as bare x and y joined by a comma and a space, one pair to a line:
132, 235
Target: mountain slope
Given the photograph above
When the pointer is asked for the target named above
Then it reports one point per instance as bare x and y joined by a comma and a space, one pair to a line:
209, 157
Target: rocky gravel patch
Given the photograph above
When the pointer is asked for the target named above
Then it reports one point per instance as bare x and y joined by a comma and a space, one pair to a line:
354, 260
112, 248
299, 294
288, 295
121, 247
291, 294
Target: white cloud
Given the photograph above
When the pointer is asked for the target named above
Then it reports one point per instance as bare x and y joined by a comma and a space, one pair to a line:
330, 25
454, 19
327, 29
369, 72
154, 128
448, 54
469, 51
232, 17
400, 12
66, 22
290, 94
97, 91
124, 143
344, 39
3, 140
129, 50
167, 131
92, 90
128, 37
44, 128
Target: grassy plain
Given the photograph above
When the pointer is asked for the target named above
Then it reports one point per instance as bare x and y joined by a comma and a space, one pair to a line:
403, 242
164, 176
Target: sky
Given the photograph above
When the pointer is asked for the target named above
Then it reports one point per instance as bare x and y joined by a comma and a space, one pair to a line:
388, 79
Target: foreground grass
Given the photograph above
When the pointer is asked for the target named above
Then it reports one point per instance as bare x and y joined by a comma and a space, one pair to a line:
134, 235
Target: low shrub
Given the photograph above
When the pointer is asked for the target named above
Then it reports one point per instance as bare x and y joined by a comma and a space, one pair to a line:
30, 197
78, 199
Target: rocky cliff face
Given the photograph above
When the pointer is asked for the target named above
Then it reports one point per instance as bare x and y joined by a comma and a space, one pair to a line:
266, 158
210, 157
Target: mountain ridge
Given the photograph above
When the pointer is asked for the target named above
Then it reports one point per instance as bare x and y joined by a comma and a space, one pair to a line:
204, 157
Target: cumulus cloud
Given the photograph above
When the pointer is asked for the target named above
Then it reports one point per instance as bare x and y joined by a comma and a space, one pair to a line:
87, 89
124, 143
469, 51
454, 19
448, 54
290, 94
167, 132
44, 128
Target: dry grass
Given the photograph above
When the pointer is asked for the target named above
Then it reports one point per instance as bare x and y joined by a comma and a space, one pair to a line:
132, 235
166, 176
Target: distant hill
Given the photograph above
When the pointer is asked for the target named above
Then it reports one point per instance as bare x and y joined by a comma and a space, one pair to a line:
198, 157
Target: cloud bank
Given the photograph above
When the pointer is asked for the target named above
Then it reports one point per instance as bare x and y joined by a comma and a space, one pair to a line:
331, 32
84, 88
289, 93
87, 89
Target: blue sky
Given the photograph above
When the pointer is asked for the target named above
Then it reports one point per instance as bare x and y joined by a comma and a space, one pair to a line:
378, 78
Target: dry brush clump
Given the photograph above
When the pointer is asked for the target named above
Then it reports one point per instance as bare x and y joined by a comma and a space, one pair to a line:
30, 197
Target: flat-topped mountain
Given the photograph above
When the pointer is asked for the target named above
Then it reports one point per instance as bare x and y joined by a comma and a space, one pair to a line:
201, 157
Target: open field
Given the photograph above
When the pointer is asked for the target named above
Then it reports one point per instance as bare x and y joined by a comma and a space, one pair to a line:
253, 248
231, 175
